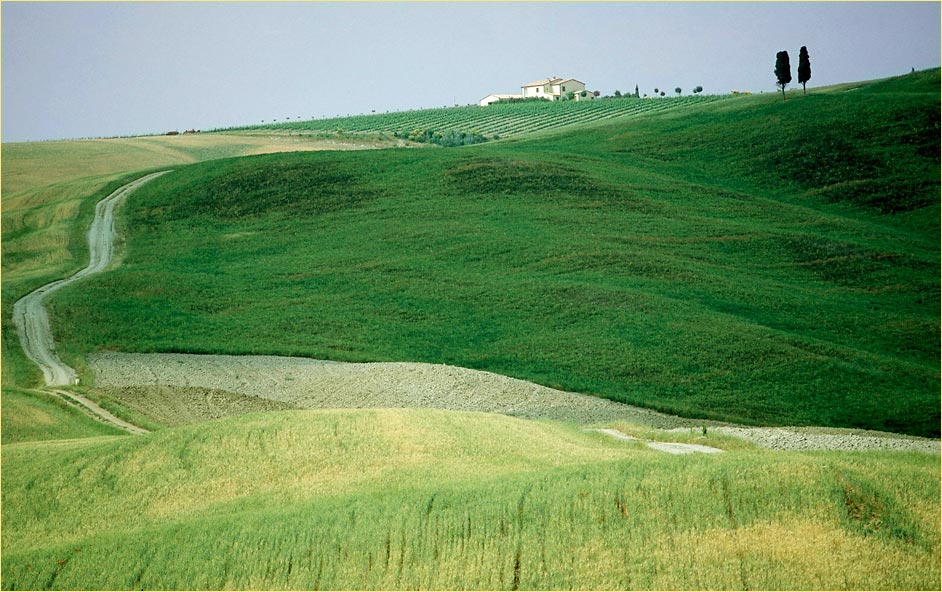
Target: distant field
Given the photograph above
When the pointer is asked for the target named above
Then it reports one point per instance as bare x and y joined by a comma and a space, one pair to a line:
422, 499
29, 165
754, 260
499, 119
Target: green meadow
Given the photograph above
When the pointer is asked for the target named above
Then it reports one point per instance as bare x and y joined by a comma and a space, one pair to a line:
421, 499
750, 259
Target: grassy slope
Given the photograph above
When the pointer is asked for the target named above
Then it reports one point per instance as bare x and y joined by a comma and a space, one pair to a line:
49, 193
679, 262
31, 415
413, 499
43, 240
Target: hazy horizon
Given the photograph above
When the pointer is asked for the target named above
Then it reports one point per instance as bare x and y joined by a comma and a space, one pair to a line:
72, 70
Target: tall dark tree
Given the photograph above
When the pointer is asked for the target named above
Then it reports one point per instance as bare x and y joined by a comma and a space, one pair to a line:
804, 68
637, 96
783, 71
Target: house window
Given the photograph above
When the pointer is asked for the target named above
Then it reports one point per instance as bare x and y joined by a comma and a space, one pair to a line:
564, 89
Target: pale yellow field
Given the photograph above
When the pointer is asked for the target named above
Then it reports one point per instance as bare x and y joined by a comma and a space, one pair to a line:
29, 165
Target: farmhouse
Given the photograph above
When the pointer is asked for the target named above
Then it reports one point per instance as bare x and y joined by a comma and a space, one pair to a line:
551, 89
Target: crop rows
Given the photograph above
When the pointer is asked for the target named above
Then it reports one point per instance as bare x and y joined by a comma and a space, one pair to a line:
493, 120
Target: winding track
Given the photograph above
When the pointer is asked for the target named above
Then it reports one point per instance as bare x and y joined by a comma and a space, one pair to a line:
29, 315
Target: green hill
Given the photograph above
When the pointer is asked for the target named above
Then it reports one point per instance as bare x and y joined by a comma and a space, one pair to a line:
50, 190
495, 120
751, 260
410, 499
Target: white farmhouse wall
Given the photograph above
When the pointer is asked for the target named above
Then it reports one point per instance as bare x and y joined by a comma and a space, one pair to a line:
495, 97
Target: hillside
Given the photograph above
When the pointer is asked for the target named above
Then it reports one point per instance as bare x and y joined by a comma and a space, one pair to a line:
494, 121
750, 260
421, 499
50, 190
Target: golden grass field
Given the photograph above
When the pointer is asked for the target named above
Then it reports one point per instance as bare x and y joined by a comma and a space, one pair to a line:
431, 499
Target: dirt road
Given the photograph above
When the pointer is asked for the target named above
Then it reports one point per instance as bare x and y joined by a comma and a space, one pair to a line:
29, 315
100, 413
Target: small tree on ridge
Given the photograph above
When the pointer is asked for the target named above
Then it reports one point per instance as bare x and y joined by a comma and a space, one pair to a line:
804, 68
783, 71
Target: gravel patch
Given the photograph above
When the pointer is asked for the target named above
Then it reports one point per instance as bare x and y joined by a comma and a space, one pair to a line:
681, 448
668, 447
828, 439
315, 384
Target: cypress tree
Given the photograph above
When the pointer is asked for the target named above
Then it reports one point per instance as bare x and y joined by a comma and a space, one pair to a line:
804, 68
783, 71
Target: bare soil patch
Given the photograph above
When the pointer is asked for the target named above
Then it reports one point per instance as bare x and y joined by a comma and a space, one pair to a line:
176, 405
189, 388
313, 384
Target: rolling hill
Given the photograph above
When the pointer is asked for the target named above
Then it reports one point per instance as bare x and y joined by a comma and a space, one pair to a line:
749, 260
745, 259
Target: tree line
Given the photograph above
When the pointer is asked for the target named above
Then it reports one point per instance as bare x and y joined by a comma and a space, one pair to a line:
657, 92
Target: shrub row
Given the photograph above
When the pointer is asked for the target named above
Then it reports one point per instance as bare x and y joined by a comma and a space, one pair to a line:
447, 138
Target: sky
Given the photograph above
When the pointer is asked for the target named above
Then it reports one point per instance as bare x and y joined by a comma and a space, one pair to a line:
76, 69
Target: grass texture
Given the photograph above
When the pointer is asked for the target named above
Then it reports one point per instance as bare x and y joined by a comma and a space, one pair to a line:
749, 260
33, 415
409, 499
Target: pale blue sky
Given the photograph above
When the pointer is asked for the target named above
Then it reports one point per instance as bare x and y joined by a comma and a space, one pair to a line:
101, 69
